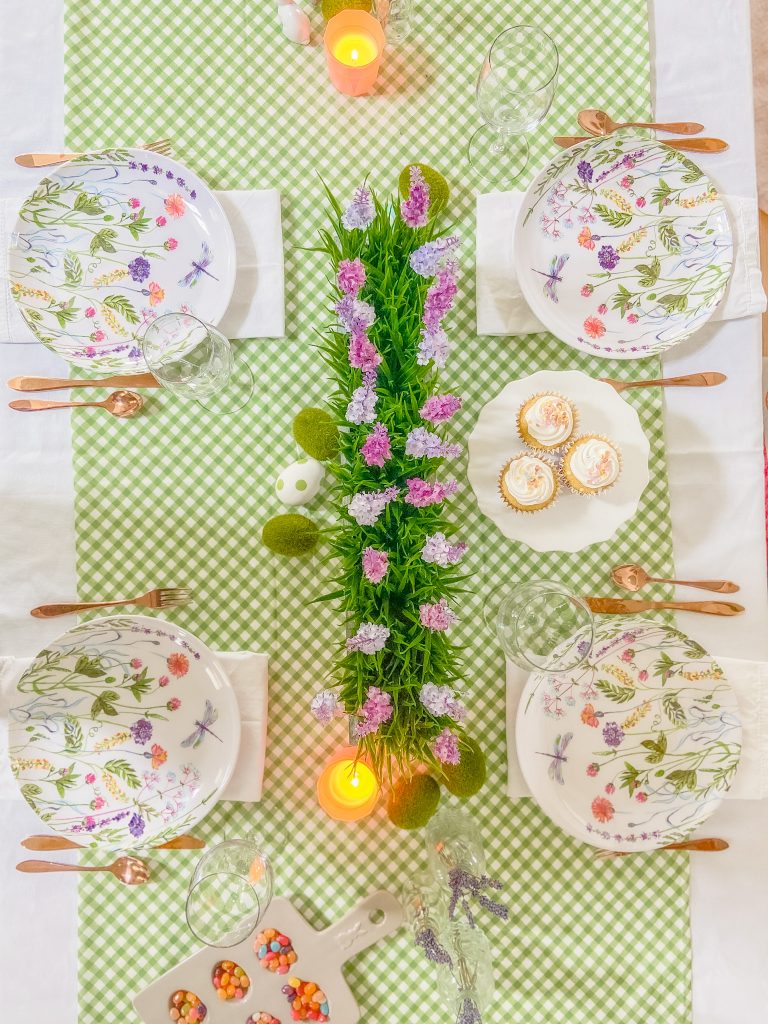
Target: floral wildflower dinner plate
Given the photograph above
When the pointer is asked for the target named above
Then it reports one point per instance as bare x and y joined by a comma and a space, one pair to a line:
109, 241
635, 749
623, 247
125, 732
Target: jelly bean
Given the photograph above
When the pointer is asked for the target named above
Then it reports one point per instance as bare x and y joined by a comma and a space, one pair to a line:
282, 969
192, 1015
174, 1013
319, 996
221, 993
294, 982
245, 981
324, 1006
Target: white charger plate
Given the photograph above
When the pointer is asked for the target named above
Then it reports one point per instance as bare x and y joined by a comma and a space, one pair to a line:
637, 748
574, 521
106, 741
109, 241
622, 247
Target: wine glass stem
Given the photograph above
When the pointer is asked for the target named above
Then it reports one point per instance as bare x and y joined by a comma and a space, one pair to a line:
501, 142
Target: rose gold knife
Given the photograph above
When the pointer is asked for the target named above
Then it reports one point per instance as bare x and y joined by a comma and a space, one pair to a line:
708, 379
136, 380
622, 606
690, 145
60, 843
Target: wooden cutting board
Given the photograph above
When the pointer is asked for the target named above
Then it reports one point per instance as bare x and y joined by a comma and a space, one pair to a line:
320, 956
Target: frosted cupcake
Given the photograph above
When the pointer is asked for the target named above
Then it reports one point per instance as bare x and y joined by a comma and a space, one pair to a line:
591, 464
546, 421
528, 483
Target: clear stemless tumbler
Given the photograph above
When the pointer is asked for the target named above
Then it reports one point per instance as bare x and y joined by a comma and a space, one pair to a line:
515, 89
541, 625
230, 890
194, 360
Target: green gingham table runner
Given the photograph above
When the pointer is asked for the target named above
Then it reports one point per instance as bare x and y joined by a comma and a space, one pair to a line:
179, 497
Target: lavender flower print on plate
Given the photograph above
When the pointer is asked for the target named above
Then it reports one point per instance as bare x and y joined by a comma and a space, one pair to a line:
101, 739
623, 247
110, 241
636, 748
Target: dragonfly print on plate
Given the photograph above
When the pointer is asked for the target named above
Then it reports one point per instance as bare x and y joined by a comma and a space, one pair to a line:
109, 242
633, 242
644, 740
105, 738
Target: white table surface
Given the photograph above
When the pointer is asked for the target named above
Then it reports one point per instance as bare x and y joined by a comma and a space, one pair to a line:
702, 71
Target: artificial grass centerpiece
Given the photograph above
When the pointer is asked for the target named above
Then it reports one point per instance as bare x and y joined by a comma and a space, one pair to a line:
397, 581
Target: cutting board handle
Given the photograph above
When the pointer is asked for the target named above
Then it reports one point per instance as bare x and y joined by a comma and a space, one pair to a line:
374, 917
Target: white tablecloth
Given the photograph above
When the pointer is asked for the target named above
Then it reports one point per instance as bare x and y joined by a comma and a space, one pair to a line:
714, 444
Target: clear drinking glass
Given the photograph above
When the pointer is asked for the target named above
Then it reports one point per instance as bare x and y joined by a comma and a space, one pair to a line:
397, 18
541, 625
230, 890
194, 360
515, 89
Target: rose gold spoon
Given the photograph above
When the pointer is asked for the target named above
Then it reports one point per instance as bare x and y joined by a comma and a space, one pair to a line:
597, 122
633, 577
120, 403
48, 843
128, 870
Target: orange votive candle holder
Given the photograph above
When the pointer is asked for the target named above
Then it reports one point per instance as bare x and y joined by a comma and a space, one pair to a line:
347, 788
354, 42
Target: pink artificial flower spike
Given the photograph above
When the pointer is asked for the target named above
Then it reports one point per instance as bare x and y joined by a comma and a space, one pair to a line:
375, 565
415, 209
377, 449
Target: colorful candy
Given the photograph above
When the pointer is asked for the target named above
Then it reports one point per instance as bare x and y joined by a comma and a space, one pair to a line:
275, 951
307, 1001
186, 1008
262, 1017
230, 980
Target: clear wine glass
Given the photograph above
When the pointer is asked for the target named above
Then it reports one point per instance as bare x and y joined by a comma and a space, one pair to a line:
541, 625
230, 890
194, 360
515, 89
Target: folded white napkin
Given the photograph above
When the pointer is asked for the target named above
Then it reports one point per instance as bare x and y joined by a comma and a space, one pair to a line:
501, 308
248, 673
257, 307
749, 680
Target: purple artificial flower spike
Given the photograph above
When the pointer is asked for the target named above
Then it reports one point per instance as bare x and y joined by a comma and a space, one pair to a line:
366, 506
464, 884
325, 706
376, 449
468, 1012
360, 212
369, 638
426, 260
446, 747
415, 209
355, 316
351, 276
422, 443
362, 353
420, 493
440, 408
440, 296
433, 347
436, 617
362, 406
376, 711
441, 701
375, 565
438, 551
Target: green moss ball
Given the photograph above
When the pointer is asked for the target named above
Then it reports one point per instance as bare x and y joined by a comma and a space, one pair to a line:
468, 776
290, 534
438, 186
315, 431
332, 7
412, 801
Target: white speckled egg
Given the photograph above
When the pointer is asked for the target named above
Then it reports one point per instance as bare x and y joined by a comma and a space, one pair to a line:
300, 482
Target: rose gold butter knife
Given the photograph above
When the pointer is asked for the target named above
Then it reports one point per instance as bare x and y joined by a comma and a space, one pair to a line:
620, 606
136, 380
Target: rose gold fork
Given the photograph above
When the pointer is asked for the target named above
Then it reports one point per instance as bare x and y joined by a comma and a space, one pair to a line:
162, 147
162, 597
701, 845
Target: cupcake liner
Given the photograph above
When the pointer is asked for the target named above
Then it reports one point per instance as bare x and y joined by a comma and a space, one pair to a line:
555, 476
575, 487
531, 442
